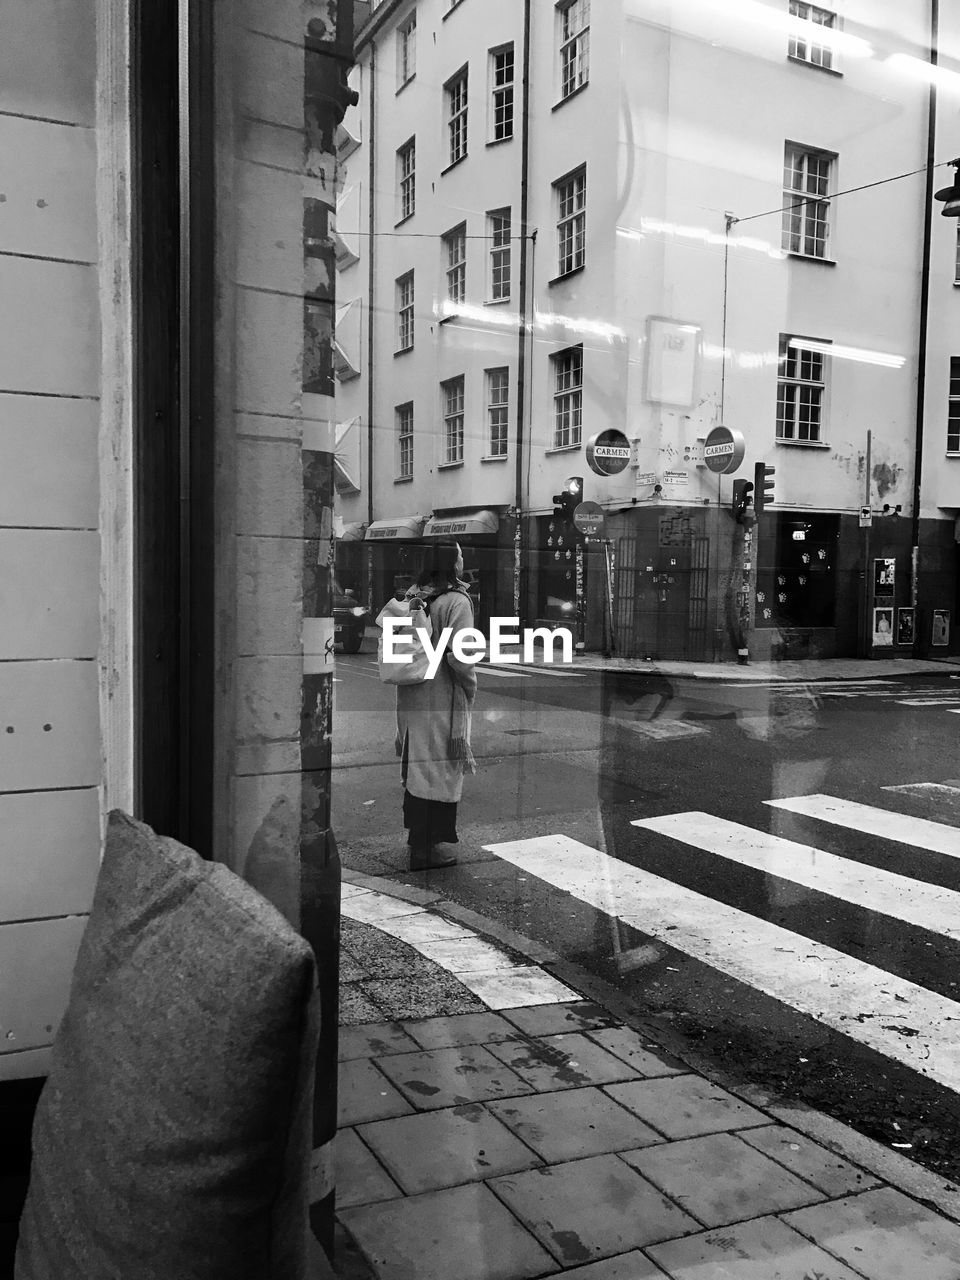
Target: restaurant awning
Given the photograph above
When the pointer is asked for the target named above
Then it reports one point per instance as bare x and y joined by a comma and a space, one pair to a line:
403, 527
480, 520
352, 532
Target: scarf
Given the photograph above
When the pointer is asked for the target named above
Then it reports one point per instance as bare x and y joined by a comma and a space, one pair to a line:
459, 749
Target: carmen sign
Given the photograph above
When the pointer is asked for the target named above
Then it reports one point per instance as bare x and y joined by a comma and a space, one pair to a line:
723, 450
608, 452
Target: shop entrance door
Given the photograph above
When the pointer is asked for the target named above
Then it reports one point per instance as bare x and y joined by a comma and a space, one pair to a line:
662, 598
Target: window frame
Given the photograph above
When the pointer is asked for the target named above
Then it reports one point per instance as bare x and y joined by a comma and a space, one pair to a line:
953, 407
406, 50
407, 178
453, 414
568, 397
455, 263
573, 47
498, 411
572, 224
502, 95
795, 43
799, 234
816, 405
405, 311
456, 103
403, 414
500, 253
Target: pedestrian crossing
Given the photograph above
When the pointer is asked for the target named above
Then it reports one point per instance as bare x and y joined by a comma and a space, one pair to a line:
886, 1012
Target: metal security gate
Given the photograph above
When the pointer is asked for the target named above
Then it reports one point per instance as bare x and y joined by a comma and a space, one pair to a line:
662, 597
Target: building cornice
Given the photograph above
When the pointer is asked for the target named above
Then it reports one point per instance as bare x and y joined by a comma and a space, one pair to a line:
381, 15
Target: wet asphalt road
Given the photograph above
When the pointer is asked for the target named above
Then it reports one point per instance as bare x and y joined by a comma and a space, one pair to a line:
587, 756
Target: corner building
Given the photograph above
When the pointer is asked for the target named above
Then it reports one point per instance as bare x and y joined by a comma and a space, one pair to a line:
650, 217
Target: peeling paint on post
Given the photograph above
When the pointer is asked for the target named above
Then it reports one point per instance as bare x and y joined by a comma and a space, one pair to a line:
327, 57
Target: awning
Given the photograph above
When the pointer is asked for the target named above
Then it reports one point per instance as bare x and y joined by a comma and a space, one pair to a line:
470, 522
404, 527
352, 532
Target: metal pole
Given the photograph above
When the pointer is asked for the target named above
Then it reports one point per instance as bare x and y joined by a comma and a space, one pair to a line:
867, 630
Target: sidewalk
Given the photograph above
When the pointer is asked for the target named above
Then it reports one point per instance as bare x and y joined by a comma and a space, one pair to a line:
504, 1116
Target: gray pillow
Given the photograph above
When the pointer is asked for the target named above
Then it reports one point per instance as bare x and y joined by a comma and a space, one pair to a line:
172, 1138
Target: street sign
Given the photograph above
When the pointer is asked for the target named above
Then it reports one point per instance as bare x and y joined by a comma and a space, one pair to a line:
866, 517
588, 518
723, 450
608, 452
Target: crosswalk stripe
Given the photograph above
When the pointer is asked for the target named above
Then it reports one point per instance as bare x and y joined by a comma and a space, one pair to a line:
495, 671
817, 686
914, 902
927, 702
921, 833
531, 669
897, 1018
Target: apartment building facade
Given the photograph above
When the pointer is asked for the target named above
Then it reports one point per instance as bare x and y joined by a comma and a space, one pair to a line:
652, 218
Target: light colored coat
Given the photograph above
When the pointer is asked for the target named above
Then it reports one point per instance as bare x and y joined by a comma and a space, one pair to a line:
425, 711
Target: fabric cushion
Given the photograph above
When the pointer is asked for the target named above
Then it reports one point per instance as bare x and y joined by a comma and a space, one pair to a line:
172, 1138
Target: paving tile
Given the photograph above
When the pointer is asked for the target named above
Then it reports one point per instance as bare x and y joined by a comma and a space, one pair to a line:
467, 1028
363, 1094
516, 988
444, 1148
807, 1159
468, 955
765, 1249
553, 1019
428, 995
646, 1058
561, 1062
593, 1208
428, 928
463, 1232
573, 1123
685, 1106
356, 1007
628, 1266
719, 1179
373, 908
373, 1040
361, 1178
438, 1078
884, 1234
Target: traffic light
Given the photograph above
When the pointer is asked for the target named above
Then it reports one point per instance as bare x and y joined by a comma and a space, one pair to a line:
762, 487
950, 195
742, 491
569, 498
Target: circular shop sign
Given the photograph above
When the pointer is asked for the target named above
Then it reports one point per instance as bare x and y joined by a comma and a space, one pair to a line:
588, 517
608, 452
723, 450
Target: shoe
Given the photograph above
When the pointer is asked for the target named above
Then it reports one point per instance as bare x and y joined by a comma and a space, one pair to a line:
431, 861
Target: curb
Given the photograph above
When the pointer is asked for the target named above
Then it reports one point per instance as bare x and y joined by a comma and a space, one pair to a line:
898, 1171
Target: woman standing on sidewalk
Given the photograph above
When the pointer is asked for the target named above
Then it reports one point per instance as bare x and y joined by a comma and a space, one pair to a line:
433, 718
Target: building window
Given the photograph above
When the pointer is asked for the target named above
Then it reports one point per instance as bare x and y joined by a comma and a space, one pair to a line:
574, 18
801, 383
452, 419
956, 259
501, 77
498, 224
404, 413
571, 221
405, 312
456, 92
805, 46
806, 206
953, 407
498, 408
567, 397
407, 50
407, 177
455, 258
